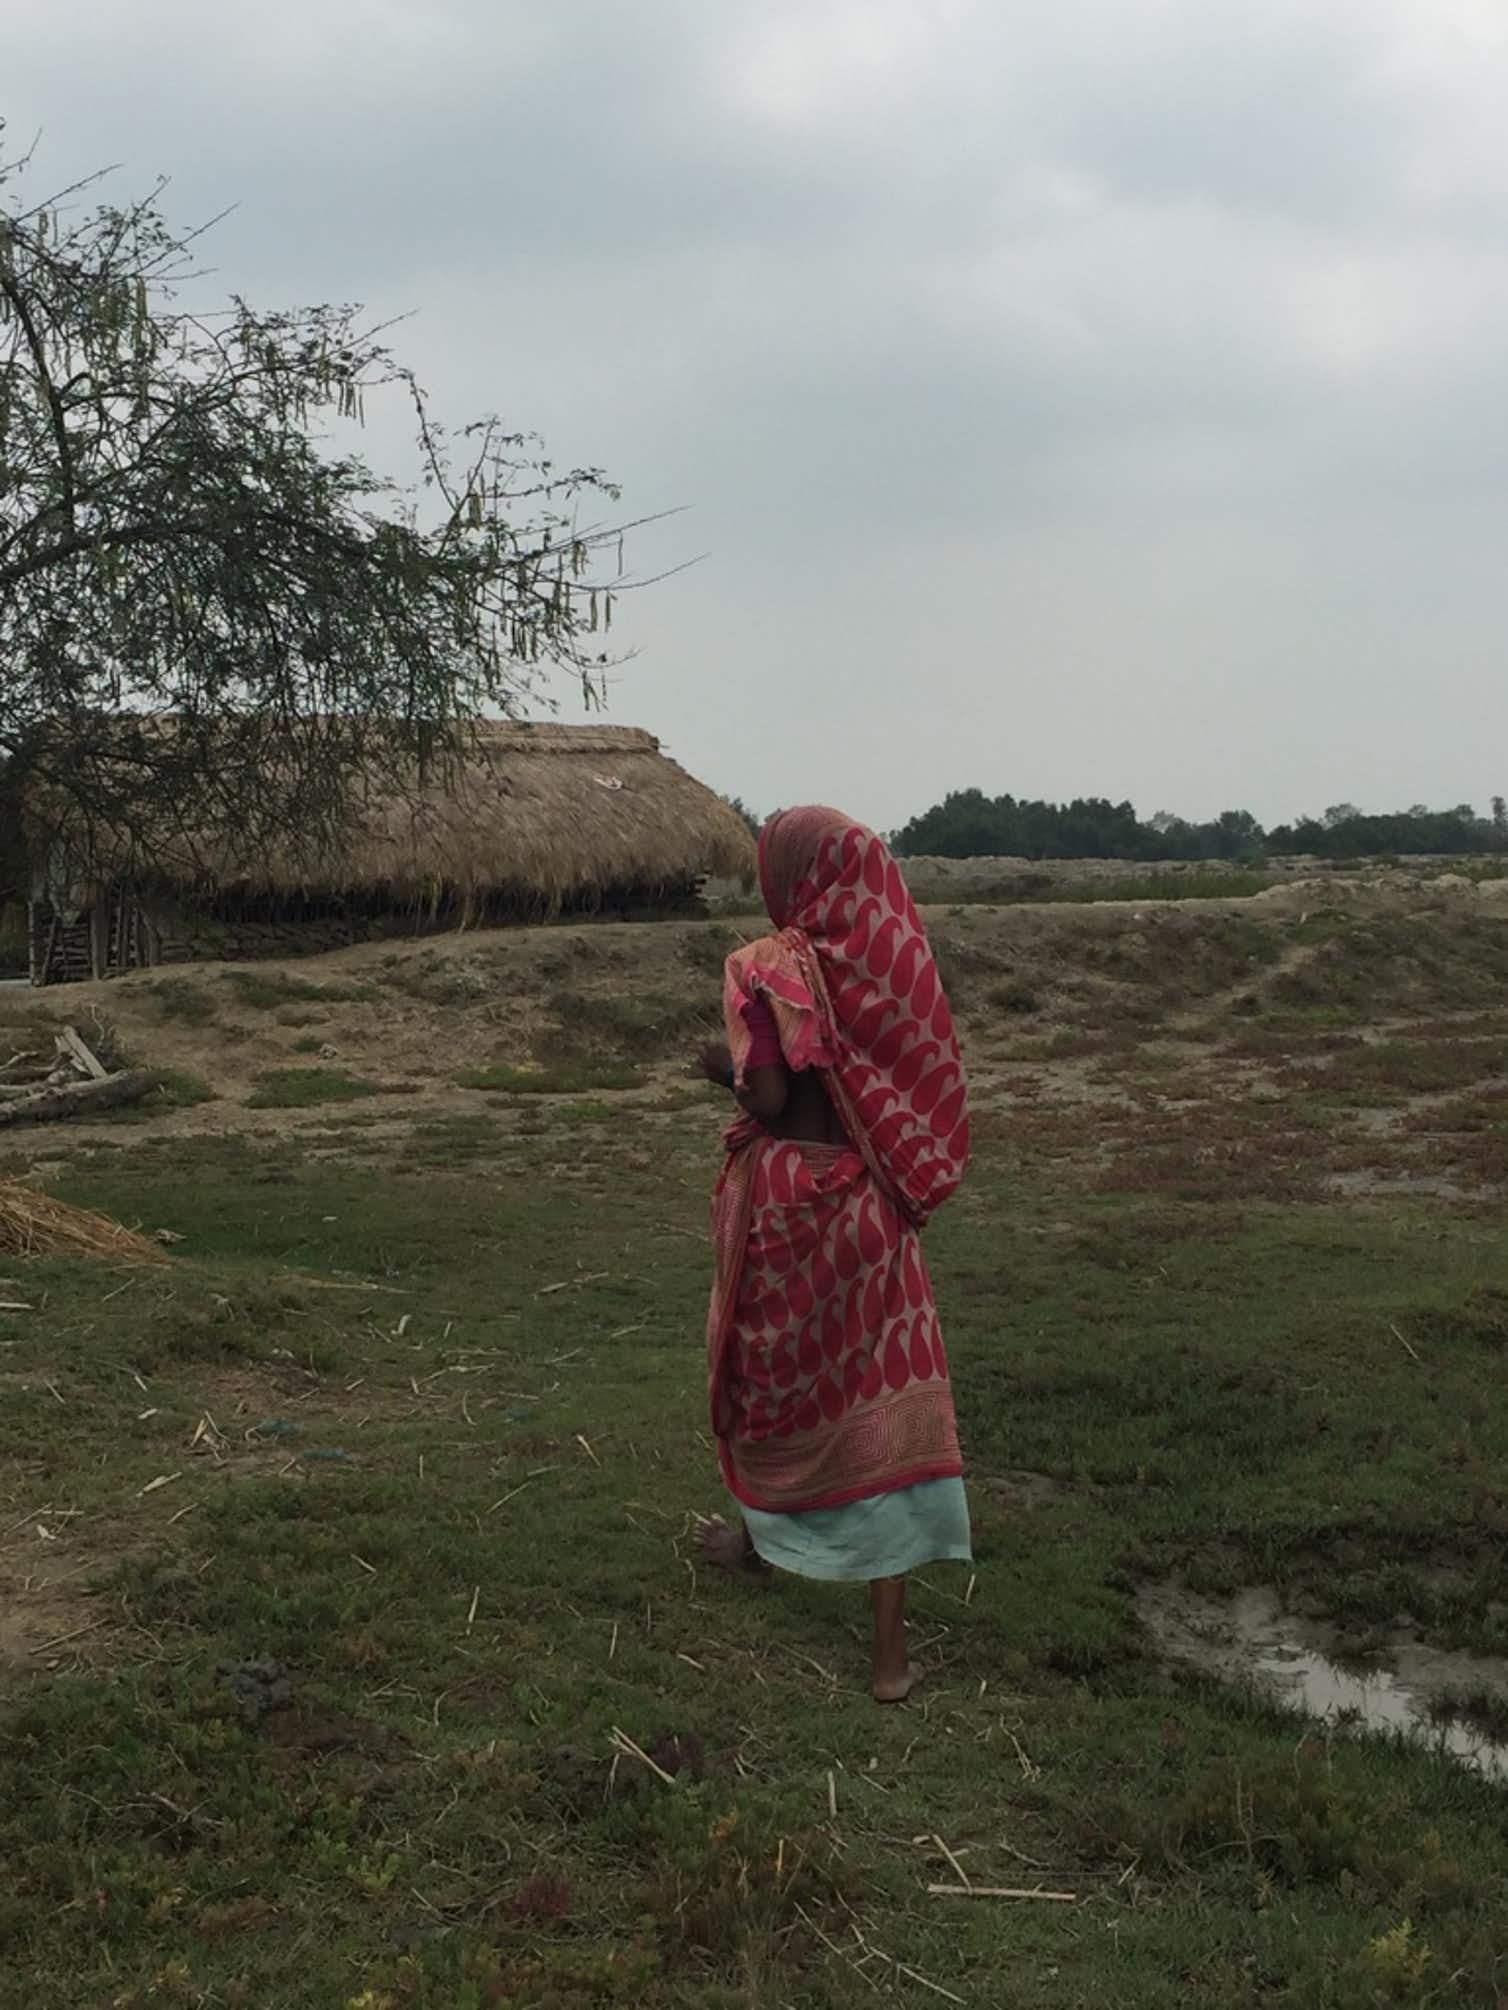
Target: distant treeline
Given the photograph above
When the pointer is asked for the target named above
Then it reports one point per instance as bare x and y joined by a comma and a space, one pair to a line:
970, 824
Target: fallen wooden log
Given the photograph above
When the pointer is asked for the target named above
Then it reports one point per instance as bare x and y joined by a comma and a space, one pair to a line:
71, 1042
79, 1099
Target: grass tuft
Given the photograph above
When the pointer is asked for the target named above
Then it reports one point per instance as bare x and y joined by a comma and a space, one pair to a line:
306, 1088
272, 990
182, 1000
557, 1078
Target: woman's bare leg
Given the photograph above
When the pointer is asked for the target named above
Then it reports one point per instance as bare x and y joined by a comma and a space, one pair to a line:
894, 1677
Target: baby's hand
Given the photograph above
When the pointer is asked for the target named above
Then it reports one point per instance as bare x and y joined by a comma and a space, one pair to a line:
717, 1063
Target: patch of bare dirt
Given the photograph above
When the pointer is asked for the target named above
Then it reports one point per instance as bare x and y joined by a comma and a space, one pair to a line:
48, 1617
24, 1380
1029, 1490
1376, 1183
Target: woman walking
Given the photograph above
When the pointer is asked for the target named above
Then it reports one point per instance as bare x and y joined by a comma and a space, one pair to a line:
828, 1381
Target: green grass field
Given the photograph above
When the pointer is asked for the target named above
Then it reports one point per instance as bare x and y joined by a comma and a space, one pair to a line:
348, 1555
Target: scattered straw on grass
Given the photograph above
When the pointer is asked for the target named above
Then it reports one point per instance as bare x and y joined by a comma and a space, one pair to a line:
1001, 1891
625, 1747
958, 1870
32, 1224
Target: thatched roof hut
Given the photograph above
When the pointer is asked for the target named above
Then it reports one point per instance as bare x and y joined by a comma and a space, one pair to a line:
532, 821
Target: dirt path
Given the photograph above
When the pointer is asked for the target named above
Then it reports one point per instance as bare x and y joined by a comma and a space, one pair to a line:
1210, 1011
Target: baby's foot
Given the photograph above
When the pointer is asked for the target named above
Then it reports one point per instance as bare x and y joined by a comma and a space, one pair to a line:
732, 1550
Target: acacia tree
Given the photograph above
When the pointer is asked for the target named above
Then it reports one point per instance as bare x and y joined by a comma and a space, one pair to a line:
184, 536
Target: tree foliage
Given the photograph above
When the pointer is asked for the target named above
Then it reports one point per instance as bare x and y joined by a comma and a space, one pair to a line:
753, 822
185, 533
1417, 831
970, 824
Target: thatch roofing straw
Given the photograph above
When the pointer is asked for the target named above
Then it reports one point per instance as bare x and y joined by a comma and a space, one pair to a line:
544, 813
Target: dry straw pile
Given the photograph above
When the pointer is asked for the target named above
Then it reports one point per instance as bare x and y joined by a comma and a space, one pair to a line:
31, 1224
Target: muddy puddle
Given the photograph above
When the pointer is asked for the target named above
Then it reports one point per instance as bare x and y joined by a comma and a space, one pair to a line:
1409, 1688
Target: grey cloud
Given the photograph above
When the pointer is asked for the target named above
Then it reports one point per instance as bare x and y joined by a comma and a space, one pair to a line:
1082, 382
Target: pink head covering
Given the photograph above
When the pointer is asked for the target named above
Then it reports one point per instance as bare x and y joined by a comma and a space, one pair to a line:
855, 992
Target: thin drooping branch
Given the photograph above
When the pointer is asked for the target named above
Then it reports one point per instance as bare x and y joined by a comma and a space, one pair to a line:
21, 307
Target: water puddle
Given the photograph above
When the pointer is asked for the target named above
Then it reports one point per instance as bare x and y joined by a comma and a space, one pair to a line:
1410, 1689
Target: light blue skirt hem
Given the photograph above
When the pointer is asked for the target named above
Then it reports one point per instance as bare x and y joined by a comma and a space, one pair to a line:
884, 1536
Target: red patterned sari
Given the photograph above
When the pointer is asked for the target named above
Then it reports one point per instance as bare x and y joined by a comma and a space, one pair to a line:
827, 1374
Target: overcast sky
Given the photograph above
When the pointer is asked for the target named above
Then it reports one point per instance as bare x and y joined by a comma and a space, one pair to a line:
1105, 397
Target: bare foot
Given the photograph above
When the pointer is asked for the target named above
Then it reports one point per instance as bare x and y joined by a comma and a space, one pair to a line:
896, 1688
730, 1549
